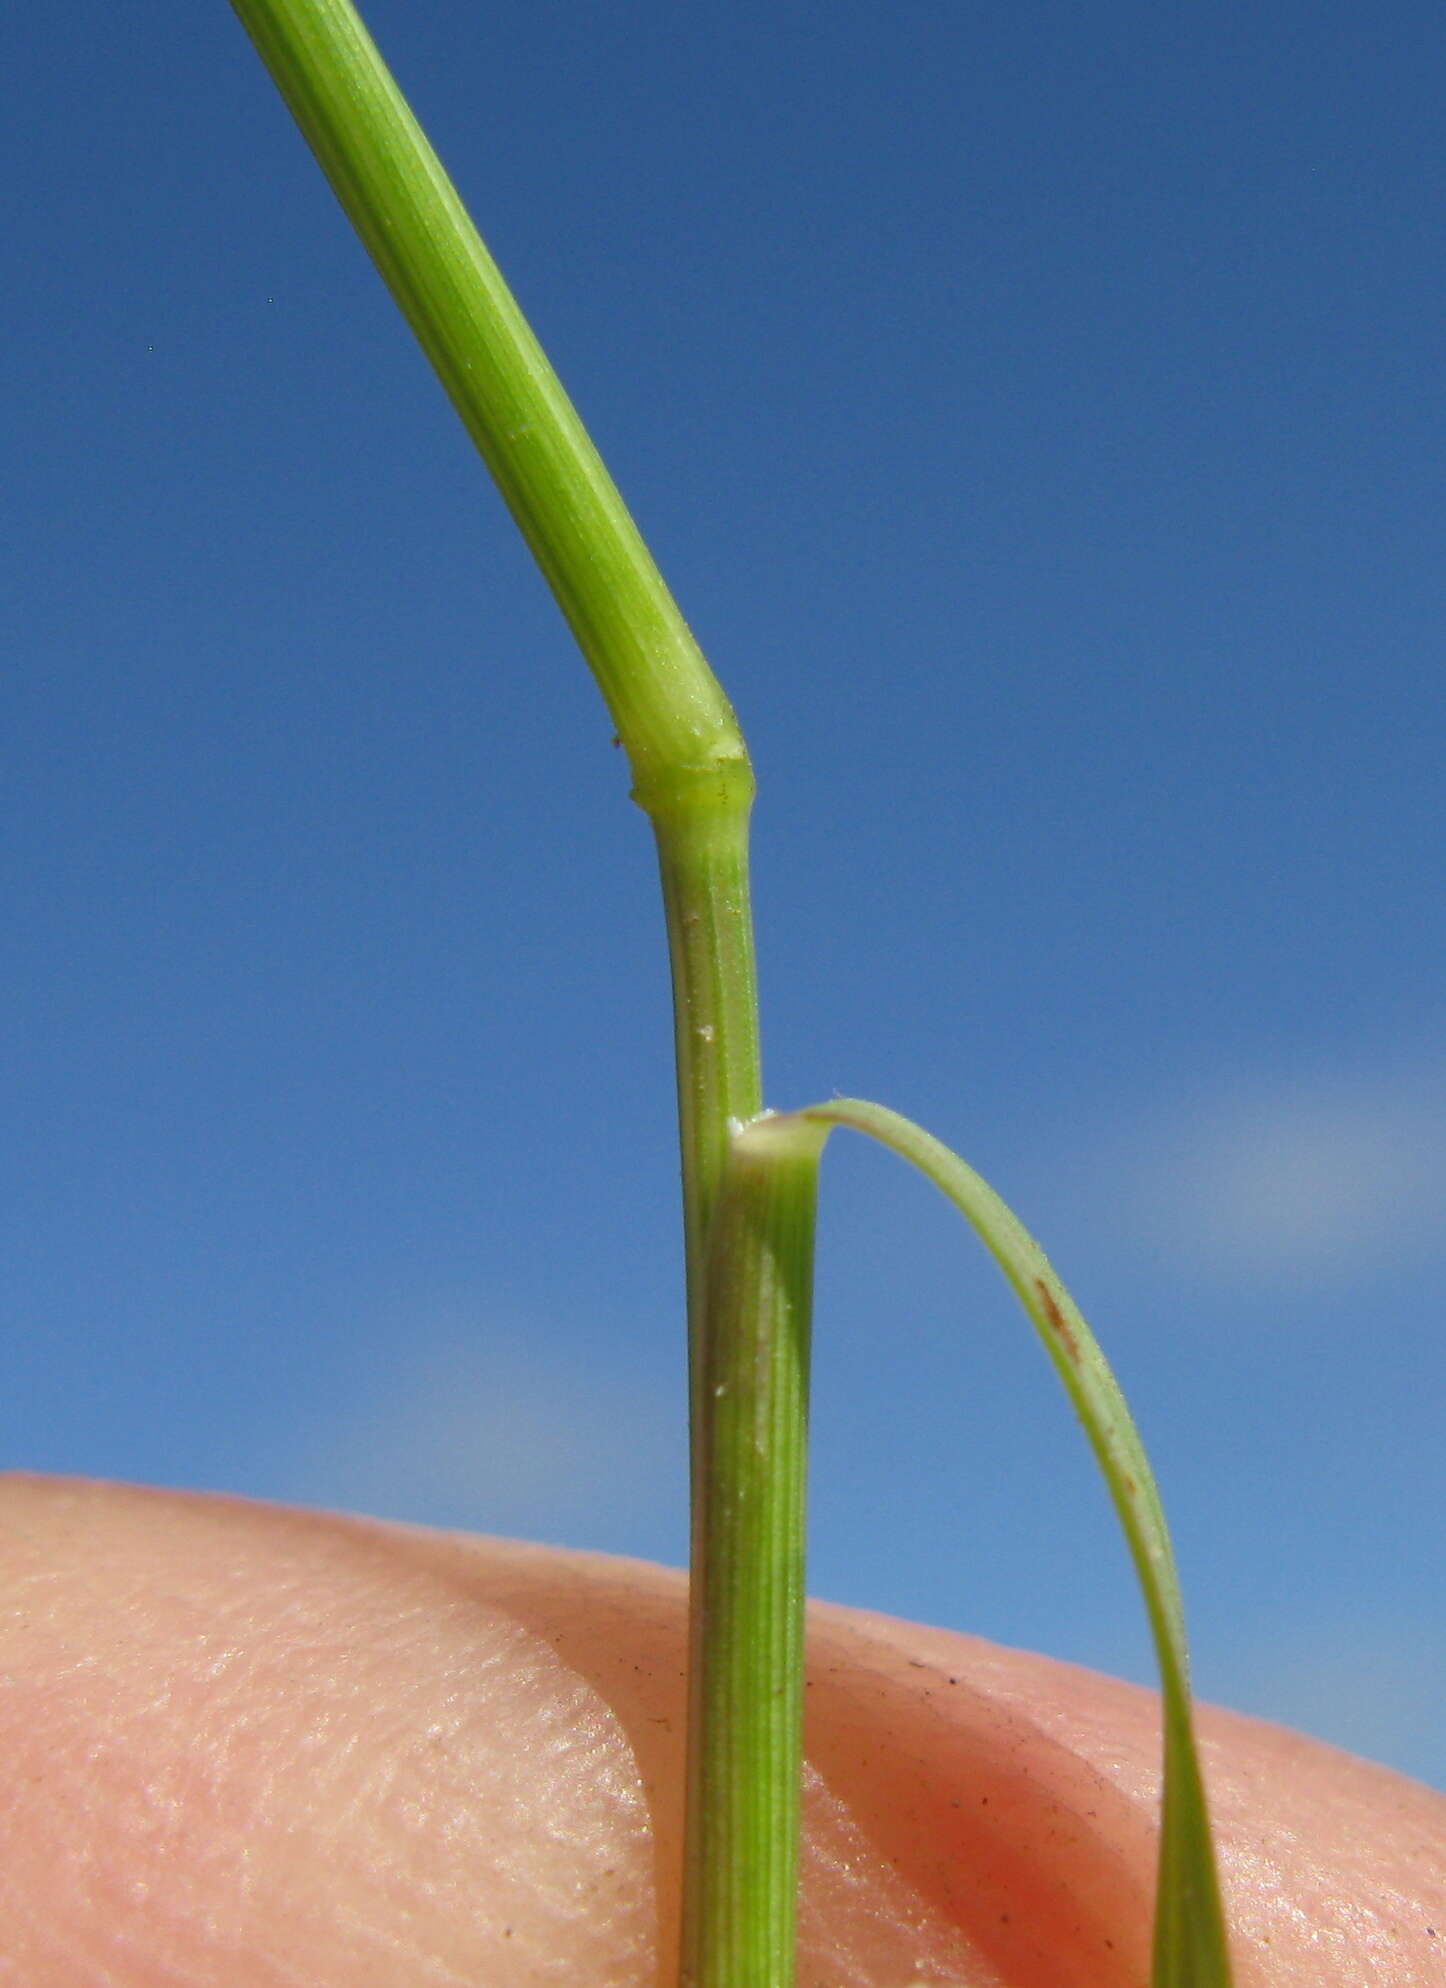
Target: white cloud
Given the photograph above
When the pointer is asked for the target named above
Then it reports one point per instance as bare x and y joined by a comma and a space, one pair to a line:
1314, 1177
502, 1431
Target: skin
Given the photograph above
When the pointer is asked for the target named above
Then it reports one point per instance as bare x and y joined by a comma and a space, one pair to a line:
247, 1747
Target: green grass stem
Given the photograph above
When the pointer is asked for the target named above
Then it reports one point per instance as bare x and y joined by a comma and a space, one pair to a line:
690, 769
741, 1881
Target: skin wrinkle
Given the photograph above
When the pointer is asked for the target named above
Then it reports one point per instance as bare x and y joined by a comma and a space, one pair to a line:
564, 1744
1283, 1896
953, 1801
629, 1647
905, 1808
649, 1697
853, 1908
240, 1738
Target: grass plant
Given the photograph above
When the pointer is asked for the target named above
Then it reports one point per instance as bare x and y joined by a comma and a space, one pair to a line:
749, 1176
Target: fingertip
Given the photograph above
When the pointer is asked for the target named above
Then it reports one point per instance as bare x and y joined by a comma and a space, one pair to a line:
249, 1745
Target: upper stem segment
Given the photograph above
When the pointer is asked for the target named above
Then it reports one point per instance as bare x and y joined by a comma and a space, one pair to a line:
689, 764
666, 705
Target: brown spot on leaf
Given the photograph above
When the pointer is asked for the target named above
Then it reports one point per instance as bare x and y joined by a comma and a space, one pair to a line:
1057, 1319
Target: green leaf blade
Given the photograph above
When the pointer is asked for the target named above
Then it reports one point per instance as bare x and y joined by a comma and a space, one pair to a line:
1190, 1943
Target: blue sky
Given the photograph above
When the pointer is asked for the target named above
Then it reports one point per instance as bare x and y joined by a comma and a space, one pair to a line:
1038, 413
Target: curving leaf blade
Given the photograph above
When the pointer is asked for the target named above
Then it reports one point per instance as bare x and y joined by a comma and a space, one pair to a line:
1190, 1946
